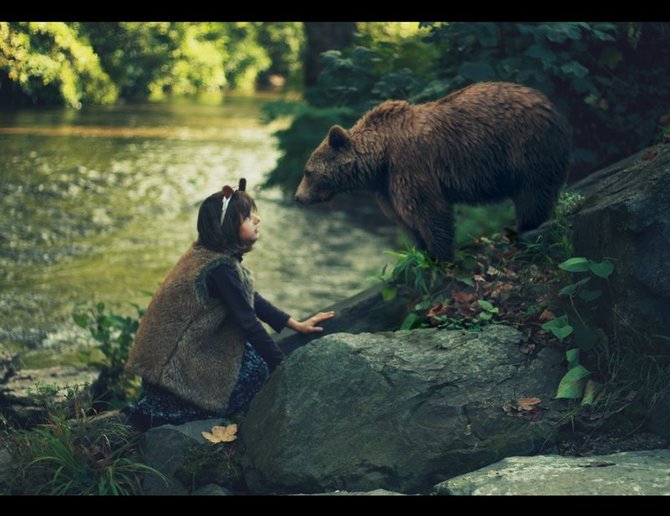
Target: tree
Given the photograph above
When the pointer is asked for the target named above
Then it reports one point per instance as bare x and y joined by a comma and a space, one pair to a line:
322, 36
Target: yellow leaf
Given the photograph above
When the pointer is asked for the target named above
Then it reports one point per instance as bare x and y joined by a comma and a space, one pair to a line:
527, 403
221, 434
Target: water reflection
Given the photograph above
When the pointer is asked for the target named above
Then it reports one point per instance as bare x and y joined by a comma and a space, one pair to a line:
99, 204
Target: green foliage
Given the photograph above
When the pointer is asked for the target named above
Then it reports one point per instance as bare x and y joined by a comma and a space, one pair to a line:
47, 62
115, 335
553, 243
135, 54
416, 269
74, 454
283, 42
584, 334
212, 463
77, 63
475, 221
428, 282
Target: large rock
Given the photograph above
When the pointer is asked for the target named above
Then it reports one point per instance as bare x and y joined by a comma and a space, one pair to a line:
165, 449
364, 312
628, 473
625, 216
397, 411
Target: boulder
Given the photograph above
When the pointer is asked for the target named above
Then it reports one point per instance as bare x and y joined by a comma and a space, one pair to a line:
398, 411
628, 473
364, 312
625, 217
376, 492
165, 448
212, 490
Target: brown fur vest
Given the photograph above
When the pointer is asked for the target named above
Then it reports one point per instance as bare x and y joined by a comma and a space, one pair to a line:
186, 341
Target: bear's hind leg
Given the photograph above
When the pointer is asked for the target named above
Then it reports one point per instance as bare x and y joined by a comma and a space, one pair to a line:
534, 206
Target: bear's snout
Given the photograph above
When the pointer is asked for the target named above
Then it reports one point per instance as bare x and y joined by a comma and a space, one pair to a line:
298, 199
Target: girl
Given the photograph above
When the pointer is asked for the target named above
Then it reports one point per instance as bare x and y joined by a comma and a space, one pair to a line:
200, 348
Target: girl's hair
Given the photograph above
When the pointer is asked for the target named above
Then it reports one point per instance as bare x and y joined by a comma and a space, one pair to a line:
224, 238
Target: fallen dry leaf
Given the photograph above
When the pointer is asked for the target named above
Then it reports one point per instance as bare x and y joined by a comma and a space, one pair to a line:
463, 297
221, 434
546, 315
527, 403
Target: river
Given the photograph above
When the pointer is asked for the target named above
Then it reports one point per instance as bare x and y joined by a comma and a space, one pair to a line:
98, 204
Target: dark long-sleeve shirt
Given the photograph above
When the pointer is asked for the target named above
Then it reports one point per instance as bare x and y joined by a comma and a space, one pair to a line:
224, 283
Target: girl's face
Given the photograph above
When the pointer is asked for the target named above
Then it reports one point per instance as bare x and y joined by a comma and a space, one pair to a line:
250, 228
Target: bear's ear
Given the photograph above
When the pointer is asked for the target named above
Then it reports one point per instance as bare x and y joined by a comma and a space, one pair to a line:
338, 137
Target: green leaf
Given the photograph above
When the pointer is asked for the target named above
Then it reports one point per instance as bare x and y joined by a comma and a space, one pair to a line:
577, 264
116, 321
561, 333
573, 357
602, 269
589, 295
591, 390
467, 280
559, 327
80, 319
540, 52
485, 316
389, 292
573, 287
409, 321
572, 384
485, 305
574, 68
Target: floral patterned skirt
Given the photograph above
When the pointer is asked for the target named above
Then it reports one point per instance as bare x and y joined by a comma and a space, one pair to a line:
158, 406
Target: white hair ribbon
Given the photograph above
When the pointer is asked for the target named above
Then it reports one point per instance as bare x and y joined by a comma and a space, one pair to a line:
224, 206
228, 195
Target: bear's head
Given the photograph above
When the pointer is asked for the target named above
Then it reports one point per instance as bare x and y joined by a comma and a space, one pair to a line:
329, 169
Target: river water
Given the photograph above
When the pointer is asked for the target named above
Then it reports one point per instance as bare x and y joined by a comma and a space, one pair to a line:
98, 204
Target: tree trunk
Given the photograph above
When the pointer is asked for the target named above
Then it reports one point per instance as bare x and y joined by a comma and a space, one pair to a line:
322, 36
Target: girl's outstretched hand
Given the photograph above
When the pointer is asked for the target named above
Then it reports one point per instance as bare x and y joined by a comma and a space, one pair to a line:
310, 325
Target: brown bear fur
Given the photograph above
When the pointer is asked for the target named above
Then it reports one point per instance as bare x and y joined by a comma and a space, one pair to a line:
484, 143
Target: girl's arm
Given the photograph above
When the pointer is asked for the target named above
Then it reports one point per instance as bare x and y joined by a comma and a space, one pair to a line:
310, 325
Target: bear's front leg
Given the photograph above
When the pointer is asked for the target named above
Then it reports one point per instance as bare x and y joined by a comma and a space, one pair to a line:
431, 221
437, 229
388, 210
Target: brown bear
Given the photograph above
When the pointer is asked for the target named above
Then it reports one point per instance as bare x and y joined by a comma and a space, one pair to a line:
484, 143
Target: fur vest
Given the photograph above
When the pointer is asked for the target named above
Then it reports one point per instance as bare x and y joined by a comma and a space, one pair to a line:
186, 342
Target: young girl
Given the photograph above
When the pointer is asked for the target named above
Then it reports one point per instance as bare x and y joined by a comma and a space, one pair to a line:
200, 348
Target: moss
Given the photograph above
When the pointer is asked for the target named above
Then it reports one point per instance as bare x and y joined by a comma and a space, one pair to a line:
212, 464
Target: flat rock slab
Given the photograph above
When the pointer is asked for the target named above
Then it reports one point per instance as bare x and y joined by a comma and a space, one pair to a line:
628, 473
